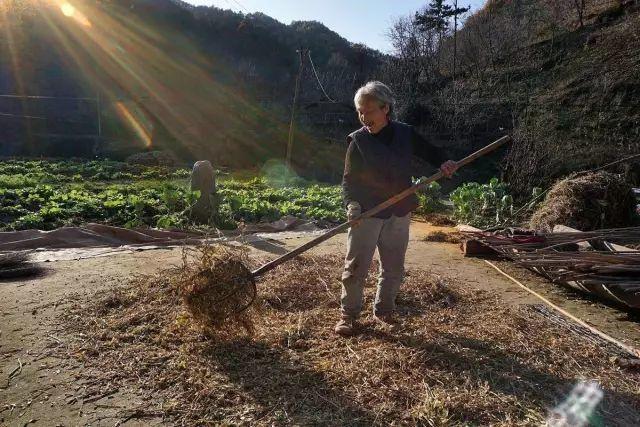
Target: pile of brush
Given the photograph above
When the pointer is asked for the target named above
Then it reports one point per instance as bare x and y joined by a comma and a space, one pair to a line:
16, 264
218, 288
594, 261
589, 201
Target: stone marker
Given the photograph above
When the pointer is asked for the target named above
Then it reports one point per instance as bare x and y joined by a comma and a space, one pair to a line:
203, 179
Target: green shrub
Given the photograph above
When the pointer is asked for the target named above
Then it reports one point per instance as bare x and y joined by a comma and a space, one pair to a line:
482, 204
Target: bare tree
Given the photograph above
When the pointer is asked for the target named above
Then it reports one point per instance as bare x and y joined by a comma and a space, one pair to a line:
415, 61
580, 7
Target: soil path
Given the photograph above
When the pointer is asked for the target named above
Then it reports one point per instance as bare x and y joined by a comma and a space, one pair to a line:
39, 389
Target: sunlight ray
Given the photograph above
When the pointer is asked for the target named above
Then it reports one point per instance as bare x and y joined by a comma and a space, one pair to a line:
164, 72
139, 129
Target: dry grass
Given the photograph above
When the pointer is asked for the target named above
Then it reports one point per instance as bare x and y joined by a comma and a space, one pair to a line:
218, 289
16, 265
586, 202
445, 237
12, 259
459, 356
440, 220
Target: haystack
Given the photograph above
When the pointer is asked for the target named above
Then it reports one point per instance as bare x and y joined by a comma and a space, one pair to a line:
587, 202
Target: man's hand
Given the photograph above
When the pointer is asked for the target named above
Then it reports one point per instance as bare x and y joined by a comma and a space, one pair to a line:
353, 211
448, 168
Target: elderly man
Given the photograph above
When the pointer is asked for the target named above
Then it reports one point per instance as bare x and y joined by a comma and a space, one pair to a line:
378, 166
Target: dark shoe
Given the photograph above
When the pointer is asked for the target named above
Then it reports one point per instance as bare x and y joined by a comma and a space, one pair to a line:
346, 326
389, 320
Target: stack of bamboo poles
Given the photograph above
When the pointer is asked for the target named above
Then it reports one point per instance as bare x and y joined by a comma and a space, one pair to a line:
592, 261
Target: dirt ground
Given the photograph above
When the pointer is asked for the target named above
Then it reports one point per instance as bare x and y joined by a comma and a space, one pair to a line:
38, 388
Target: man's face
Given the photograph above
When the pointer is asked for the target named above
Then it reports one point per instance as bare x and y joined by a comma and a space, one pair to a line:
372, 115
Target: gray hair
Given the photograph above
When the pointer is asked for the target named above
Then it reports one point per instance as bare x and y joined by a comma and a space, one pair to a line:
378, 91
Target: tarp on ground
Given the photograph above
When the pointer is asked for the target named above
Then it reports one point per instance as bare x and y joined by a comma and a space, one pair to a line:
94, 240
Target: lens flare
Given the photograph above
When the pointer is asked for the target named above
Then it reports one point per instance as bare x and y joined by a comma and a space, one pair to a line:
67, 9
135, 124
161, 86
578, 410
70, 11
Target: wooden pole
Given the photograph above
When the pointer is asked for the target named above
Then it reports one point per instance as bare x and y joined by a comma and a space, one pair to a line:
301, 52
371, 212
455, 41
98, 139
99, 114
627, 349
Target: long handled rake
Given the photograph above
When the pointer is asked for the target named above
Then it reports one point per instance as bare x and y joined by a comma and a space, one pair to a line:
229, 288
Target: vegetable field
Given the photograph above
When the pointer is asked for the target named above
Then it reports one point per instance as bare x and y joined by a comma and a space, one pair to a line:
48, 194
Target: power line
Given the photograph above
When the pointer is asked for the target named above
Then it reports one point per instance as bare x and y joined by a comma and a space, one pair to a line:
49, 119
317, 78
17, 116
241, 5
62, 98
626, 159
231, 3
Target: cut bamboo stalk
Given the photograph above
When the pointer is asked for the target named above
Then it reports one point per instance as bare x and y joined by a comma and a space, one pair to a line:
635, 353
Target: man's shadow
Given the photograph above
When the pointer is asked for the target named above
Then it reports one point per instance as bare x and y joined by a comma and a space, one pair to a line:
504, 374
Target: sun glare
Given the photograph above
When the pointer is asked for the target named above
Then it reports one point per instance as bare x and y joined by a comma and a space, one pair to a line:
67, 9
70, 11
135, 124
129, 60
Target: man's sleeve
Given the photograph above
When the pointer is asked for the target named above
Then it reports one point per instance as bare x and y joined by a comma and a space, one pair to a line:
351, 179
426, 150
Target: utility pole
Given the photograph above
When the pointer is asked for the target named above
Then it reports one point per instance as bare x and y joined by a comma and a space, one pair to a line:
97, 143
302, 53
99, 114
455, 39
455, 12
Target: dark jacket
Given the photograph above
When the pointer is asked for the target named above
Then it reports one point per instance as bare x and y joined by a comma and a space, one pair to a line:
378, 166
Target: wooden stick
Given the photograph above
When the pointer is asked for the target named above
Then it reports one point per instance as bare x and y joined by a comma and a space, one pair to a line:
371, 212
627, 349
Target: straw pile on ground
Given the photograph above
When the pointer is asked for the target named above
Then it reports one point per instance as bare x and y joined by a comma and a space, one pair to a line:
16, 264
443, 237
438, 219
587, 202
459, 357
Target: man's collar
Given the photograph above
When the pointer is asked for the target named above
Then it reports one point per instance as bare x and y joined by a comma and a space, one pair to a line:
387, 126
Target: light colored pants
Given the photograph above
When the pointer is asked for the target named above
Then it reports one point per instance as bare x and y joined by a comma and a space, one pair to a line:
391, 237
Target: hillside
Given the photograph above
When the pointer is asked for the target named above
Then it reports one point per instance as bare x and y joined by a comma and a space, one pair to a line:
210, 83
201, 82
584, 111
566, 86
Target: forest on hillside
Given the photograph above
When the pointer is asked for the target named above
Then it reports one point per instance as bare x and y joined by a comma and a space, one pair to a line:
562, 76
212, 83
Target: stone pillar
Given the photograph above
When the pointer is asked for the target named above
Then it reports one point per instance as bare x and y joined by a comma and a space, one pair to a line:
203, 179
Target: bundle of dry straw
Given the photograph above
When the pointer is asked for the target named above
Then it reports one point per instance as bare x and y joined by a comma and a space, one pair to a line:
217, 288
16, 265
587, 202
